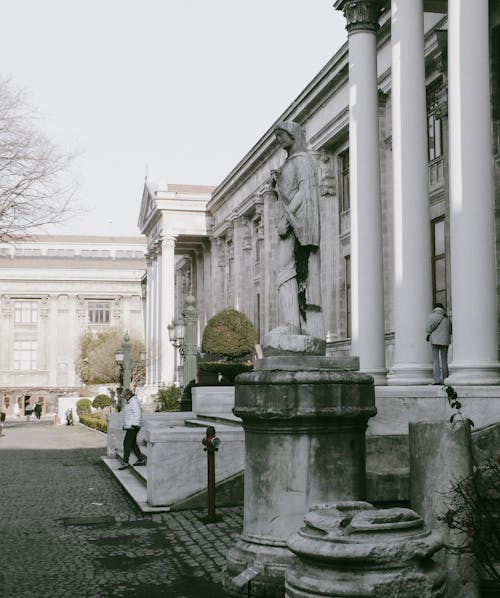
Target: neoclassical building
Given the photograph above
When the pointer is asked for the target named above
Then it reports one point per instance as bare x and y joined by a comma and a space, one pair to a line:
53, 289
177, 225
404, 121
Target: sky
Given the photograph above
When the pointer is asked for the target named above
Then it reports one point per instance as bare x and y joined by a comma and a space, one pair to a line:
175, 90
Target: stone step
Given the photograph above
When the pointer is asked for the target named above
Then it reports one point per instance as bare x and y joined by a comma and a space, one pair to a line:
133, 484
141, 471
202, 421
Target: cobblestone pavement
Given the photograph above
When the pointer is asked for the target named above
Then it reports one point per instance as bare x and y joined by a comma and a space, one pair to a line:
68, 529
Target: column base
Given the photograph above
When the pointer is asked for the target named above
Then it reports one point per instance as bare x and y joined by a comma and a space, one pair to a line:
475, 374
379, 376
413, 374
270, 560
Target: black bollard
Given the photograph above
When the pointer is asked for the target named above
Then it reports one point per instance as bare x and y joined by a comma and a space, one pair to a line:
211, 444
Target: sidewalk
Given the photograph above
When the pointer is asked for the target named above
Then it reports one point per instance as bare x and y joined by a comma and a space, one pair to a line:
69, 530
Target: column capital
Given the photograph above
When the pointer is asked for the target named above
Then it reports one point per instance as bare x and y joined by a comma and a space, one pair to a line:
361, 15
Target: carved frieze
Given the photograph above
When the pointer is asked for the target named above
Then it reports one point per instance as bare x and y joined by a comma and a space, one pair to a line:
362, 15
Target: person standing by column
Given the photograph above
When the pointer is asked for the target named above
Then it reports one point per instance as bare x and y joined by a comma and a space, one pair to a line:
131, 424
439, 331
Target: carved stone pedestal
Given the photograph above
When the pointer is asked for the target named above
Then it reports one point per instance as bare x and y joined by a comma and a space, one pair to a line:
352, 549
304, 420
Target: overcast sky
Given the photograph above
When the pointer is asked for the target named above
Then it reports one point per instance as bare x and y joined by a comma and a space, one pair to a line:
180, 89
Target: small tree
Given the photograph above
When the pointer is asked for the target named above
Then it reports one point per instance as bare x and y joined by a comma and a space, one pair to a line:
229, 340
229, 334
83, 406
167, 398
101, 401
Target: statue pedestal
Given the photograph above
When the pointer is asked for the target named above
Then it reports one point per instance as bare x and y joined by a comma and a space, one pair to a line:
304, 419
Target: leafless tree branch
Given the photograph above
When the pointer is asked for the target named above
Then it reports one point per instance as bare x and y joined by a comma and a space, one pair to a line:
36, 185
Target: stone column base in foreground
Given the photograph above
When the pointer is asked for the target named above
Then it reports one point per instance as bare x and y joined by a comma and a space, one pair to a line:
305, 419
352, 549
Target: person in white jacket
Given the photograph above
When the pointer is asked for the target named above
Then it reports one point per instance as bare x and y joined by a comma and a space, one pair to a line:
131, 424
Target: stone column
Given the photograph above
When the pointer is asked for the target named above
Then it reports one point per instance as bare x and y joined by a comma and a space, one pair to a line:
305, 420
155, 327
167, 314
472, 212
412, 253
366, 228
440, 456
266, 261
149, 315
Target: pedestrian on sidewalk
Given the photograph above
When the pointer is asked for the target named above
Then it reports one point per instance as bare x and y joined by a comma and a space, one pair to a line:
38, 410
131, 424
439, 332
2, 422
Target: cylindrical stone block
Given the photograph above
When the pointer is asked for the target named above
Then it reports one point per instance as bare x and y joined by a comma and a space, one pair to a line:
304, 444
352, 549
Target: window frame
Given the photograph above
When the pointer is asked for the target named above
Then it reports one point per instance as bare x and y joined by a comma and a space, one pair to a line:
21, 310
99, 312
22, 355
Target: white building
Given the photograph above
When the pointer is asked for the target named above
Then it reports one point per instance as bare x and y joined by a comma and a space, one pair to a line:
53, 289
177, 226
405, 123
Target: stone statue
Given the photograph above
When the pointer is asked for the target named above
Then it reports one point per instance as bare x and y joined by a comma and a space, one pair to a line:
298, 258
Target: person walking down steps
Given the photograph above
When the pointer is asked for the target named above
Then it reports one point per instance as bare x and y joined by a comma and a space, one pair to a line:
131, 424
439, 331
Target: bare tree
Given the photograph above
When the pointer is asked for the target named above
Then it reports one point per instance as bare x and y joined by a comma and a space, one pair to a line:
36, 187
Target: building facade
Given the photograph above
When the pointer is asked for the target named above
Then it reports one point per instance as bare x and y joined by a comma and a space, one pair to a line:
404, 121
177, 226
54, 289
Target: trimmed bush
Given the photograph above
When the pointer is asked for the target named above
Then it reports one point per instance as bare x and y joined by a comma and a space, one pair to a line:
101, 401
94, 421
229, 334
83, 407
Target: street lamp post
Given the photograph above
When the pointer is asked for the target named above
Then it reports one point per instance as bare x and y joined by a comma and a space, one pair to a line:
183, 334
176, 331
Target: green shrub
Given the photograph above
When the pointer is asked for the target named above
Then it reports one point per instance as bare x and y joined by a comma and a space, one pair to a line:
229, 334
95, 421
83, 406
101, 401
168, 397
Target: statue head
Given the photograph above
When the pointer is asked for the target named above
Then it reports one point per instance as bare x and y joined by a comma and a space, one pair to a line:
294, 138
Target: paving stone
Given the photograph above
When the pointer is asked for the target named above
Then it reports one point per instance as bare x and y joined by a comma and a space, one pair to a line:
123, 553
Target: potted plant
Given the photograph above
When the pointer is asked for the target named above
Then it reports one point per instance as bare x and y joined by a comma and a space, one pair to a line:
227, 347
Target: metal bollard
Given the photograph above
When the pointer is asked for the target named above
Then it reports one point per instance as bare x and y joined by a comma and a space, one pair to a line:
211, 444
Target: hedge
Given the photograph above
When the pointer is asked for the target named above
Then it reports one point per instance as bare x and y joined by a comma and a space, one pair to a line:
94, 421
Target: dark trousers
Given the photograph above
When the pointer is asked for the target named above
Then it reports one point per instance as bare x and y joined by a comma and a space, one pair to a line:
130, 444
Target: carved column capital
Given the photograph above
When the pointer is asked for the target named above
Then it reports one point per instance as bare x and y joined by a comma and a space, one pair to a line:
361, 15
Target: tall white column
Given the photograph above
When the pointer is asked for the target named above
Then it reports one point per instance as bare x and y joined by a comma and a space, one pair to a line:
167, 303
149, 315
412, 244
472, 214
367, 286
